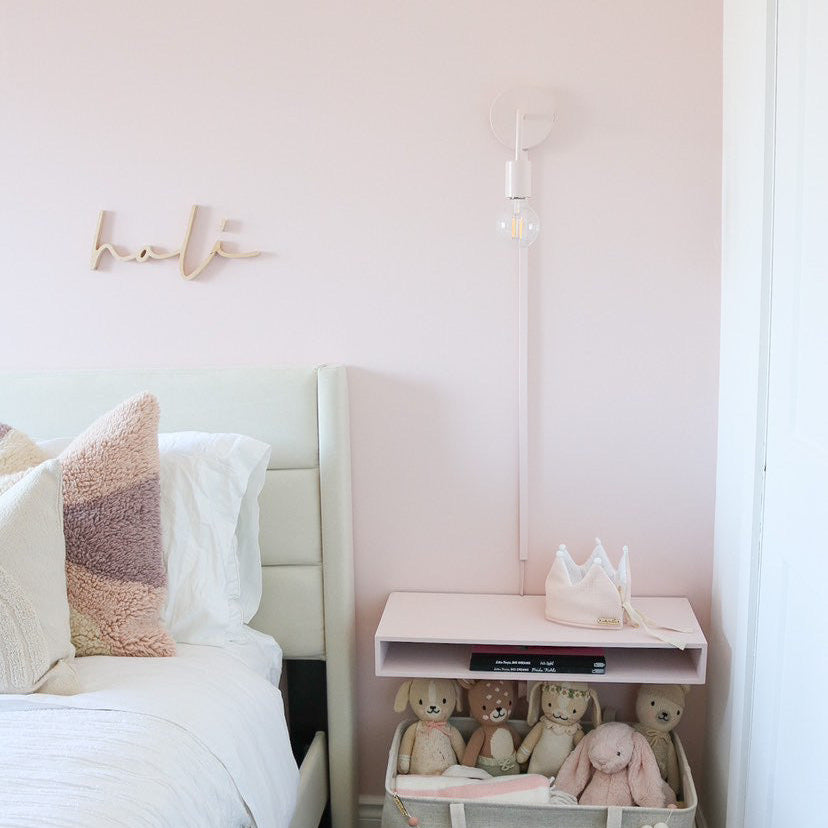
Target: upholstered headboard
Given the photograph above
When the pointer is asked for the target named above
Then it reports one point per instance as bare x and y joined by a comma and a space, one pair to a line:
306, 525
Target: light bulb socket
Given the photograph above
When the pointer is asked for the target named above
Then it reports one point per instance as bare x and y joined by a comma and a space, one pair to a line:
519, 178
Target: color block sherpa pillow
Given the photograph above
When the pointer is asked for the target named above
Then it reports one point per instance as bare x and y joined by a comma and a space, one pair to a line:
35, 643
112, 523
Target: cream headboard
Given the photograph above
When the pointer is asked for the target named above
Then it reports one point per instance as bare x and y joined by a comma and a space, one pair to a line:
306, 526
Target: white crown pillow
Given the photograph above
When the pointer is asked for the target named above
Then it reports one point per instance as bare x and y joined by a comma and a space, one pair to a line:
35, 642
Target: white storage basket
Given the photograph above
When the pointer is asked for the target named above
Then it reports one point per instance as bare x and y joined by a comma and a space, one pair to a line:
435, 812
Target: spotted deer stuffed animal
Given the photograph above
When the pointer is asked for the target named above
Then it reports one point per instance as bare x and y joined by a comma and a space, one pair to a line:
430, 745
492, 746
555, 710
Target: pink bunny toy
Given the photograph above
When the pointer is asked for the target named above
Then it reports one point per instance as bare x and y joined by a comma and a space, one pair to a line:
614, 765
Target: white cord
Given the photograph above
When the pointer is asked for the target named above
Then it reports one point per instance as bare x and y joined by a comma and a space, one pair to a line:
523, 411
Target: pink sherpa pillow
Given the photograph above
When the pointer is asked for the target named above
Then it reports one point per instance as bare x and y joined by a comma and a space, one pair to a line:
112, 524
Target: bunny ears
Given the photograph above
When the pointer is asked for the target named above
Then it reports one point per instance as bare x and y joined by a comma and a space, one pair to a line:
425, 686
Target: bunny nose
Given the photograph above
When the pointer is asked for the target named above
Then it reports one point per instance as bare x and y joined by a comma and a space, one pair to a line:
432, 708
664, 716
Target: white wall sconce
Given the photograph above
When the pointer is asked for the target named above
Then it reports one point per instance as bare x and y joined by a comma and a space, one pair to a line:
521, 118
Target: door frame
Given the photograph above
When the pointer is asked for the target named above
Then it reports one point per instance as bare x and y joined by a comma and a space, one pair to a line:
749, 59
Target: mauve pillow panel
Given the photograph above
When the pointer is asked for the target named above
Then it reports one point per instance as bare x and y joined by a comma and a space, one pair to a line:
112, 523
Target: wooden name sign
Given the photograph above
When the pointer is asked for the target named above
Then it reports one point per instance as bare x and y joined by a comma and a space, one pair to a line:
148, 252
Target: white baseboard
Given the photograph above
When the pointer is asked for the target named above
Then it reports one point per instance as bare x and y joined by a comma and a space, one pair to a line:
370, 811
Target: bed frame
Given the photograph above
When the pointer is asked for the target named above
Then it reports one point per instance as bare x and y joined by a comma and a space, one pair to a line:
306, 520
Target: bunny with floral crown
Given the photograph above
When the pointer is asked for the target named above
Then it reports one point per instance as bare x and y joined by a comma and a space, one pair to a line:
555, 710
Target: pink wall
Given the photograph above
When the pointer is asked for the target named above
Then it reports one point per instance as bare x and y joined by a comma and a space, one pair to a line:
350, 141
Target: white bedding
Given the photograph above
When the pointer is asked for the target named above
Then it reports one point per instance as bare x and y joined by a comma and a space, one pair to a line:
195, 740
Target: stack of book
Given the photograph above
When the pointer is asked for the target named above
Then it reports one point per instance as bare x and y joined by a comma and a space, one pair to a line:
494, 658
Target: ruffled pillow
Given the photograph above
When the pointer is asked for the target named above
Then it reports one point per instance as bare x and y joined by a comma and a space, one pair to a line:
112, 524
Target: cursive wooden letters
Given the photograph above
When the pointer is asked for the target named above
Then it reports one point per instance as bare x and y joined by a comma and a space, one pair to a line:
149, 252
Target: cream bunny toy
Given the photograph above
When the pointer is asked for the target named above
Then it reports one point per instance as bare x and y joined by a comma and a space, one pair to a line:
432, 744
558, 730
658, 708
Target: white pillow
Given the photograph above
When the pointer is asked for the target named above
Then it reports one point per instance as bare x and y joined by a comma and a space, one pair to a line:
35, 642
210, 485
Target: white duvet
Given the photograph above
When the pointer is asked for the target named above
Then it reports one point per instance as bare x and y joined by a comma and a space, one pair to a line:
196, 740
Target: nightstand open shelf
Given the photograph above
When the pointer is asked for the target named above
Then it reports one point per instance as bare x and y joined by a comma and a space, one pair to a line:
431, 634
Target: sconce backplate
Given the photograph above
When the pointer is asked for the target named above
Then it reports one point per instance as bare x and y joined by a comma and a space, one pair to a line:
537, 104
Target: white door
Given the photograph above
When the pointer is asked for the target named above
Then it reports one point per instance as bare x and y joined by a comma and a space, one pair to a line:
789, 719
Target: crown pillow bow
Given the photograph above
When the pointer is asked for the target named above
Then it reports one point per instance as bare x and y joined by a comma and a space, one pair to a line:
596, 594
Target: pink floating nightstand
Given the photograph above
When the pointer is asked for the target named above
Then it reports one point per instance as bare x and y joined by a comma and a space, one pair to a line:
431, 634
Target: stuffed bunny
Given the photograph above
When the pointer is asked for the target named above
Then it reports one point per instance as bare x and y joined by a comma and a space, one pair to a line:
658, 708
432, 744
492, 746
613, 765
551, 740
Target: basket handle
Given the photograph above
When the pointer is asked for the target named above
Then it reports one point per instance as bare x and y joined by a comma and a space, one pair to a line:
457, 813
